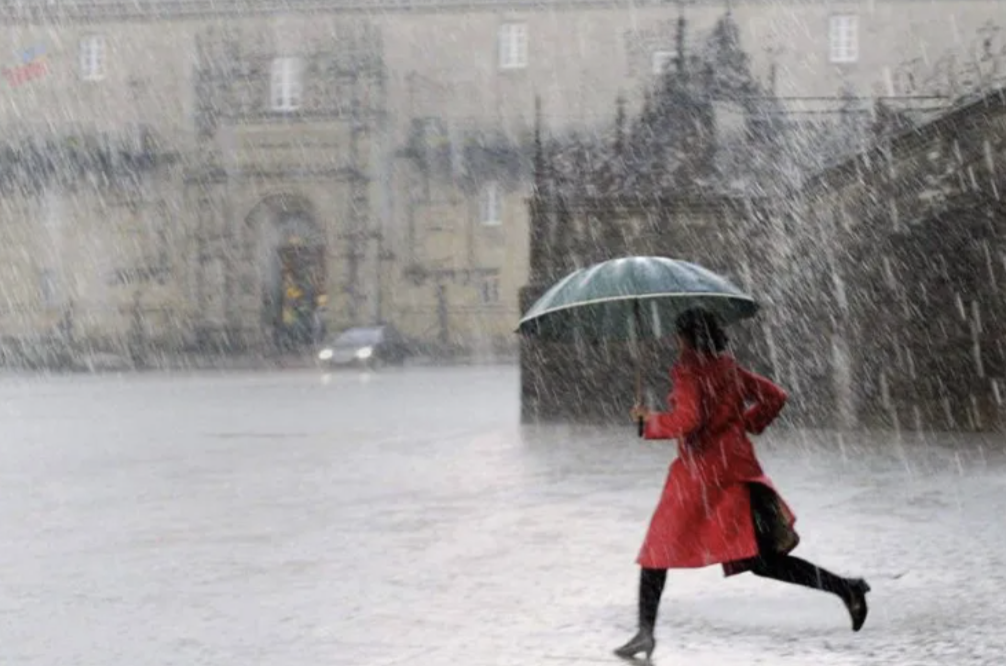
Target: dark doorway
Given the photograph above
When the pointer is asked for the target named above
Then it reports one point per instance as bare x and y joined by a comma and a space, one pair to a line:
297, 294
286, 264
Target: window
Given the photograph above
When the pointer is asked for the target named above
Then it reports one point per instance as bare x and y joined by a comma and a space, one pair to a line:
662, 61
903, 83
490, 291
844, 38
287, 87
490, 204
92, 58
513, 46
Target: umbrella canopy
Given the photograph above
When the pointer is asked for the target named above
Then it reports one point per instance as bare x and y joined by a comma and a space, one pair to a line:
632, 299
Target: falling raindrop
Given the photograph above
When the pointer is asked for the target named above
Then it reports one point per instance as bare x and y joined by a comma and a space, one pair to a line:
888, 272
839, 289
842, 362
976, 345
948, 412
773, 352
794, 377
747, 277
917, 417
658, 328
885, 393
989, 266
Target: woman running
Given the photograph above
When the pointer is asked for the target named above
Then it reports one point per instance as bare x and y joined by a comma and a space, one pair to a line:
718, 506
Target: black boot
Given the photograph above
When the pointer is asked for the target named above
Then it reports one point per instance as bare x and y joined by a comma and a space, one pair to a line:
855, 602
651, 587
643, 641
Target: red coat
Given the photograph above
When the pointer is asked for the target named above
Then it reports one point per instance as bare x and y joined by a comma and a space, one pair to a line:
704, 514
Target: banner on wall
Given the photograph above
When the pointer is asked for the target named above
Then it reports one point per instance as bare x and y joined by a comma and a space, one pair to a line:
31, 65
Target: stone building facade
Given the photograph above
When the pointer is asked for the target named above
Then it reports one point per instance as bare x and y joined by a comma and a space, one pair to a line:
189, 143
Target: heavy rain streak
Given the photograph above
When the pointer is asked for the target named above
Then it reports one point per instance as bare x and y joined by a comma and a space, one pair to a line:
441, 332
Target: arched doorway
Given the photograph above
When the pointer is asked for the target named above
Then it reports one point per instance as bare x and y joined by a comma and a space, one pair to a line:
288, 251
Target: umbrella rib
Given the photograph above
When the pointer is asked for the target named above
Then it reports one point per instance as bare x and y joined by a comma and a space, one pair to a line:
611, 299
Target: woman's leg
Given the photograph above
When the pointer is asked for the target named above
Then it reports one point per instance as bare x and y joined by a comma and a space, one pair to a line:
771, 563
651, 587
789, 569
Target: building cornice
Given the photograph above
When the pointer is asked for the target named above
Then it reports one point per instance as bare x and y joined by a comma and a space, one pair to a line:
95, 11
217, 174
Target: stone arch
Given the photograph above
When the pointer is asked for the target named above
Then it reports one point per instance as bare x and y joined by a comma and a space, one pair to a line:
279, 201
285, 271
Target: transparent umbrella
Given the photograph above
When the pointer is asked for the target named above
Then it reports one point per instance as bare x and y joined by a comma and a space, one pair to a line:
631, 299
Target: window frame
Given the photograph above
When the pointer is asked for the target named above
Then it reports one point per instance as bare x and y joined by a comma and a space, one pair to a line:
843, 38
489, 291
512, 45
490, 204
286, 84
91, 54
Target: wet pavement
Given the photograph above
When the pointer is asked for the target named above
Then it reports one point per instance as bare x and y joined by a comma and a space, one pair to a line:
405, 517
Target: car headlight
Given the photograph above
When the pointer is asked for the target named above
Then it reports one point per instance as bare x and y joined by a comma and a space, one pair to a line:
365, 352
325, 354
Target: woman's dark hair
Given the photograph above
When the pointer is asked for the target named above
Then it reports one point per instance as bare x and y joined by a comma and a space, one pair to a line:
702, 330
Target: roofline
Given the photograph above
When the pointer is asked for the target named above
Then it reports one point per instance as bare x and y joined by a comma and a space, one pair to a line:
869, 157
92, 11
14, 12
674, 201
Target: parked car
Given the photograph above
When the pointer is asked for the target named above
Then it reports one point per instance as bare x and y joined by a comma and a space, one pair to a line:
367, 347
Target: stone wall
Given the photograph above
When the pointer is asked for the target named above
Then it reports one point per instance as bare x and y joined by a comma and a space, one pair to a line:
897, 261
881, 279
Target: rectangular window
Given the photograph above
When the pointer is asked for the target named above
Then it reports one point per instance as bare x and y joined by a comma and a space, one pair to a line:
661, 61
903, 83
92, 58
491, 205
844, 38
513, 46
286, 87
490, 291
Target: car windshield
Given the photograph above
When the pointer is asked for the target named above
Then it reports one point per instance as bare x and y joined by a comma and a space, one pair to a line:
356, 337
